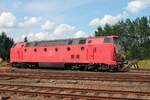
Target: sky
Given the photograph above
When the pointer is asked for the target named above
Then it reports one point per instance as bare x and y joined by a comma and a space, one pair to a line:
60, 19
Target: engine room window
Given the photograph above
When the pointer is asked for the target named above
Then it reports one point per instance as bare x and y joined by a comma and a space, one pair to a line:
69, 42
108, 40
75, 41
82, 41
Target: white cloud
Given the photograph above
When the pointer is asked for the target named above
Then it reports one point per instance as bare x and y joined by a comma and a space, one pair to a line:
30, 22
58, 31
36, 36
53, 36
64, 28
107, 19
137, 5
7, 20
79, 34
48, 25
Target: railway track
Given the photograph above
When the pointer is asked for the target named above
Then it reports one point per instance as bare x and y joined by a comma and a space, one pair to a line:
100, 76
146, 71
133, 71
67, 77
76, 93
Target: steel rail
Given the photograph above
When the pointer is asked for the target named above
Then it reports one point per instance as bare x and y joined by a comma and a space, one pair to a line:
57, 91
76, 72
70, 76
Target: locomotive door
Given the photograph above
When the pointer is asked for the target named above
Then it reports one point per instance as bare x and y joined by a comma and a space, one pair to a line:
91, 52
20, 54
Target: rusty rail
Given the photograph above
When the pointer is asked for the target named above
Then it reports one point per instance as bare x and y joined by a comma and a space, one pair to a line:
132, 77
77, 93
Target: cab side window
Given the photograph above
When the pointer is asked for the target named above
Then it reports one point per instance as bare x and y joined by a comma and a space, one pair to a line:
108, 40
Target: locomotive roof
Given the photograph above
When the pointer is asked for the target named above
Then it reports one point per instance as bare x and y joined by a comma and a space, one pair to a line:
72, 41
57, 42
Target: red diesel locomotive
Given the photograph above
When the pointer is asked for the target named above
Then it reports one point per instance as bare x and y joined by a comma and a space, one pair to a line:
102, 53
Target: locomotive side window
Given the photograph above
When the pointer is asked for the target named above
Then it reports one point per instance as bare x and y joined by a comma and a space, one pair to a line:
108, 40
82, 41
56, 42
31, 44
75, 41
69, 42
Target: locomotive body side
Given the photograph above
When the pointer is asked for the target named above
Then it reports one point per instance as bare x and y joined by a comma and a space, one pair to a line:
92, 51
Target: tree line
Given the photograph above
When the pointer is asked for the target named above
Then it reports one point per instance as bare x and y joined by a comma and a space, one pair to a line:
5, 45
134, 33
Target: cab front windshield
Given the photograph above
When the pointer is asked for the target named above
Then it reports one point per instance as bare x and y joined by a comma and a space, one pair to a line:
118, 44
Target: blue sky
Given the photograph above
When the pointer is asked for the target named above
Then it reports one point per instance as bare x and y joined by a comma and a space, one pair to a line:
56, 19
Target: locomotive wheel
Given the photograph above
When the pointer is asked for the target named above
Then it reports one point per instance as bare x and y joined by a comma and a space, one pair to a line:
103, 67
14, 65
67, 66
96, 69
25, 65
89, 68
75, 67
85, 68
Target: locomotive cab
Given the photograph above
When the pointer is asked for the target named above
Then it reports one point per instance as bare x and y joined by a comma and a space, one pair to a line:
119, 51
118, 47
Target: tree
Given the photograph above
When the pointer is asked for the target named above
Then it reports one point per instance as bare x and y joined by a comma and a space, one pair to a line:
5, 45
25, 39
135, 34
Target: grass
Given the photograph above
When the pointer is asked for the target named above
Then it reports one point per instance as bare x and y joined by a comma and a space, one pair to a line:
2, 64
144, 64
